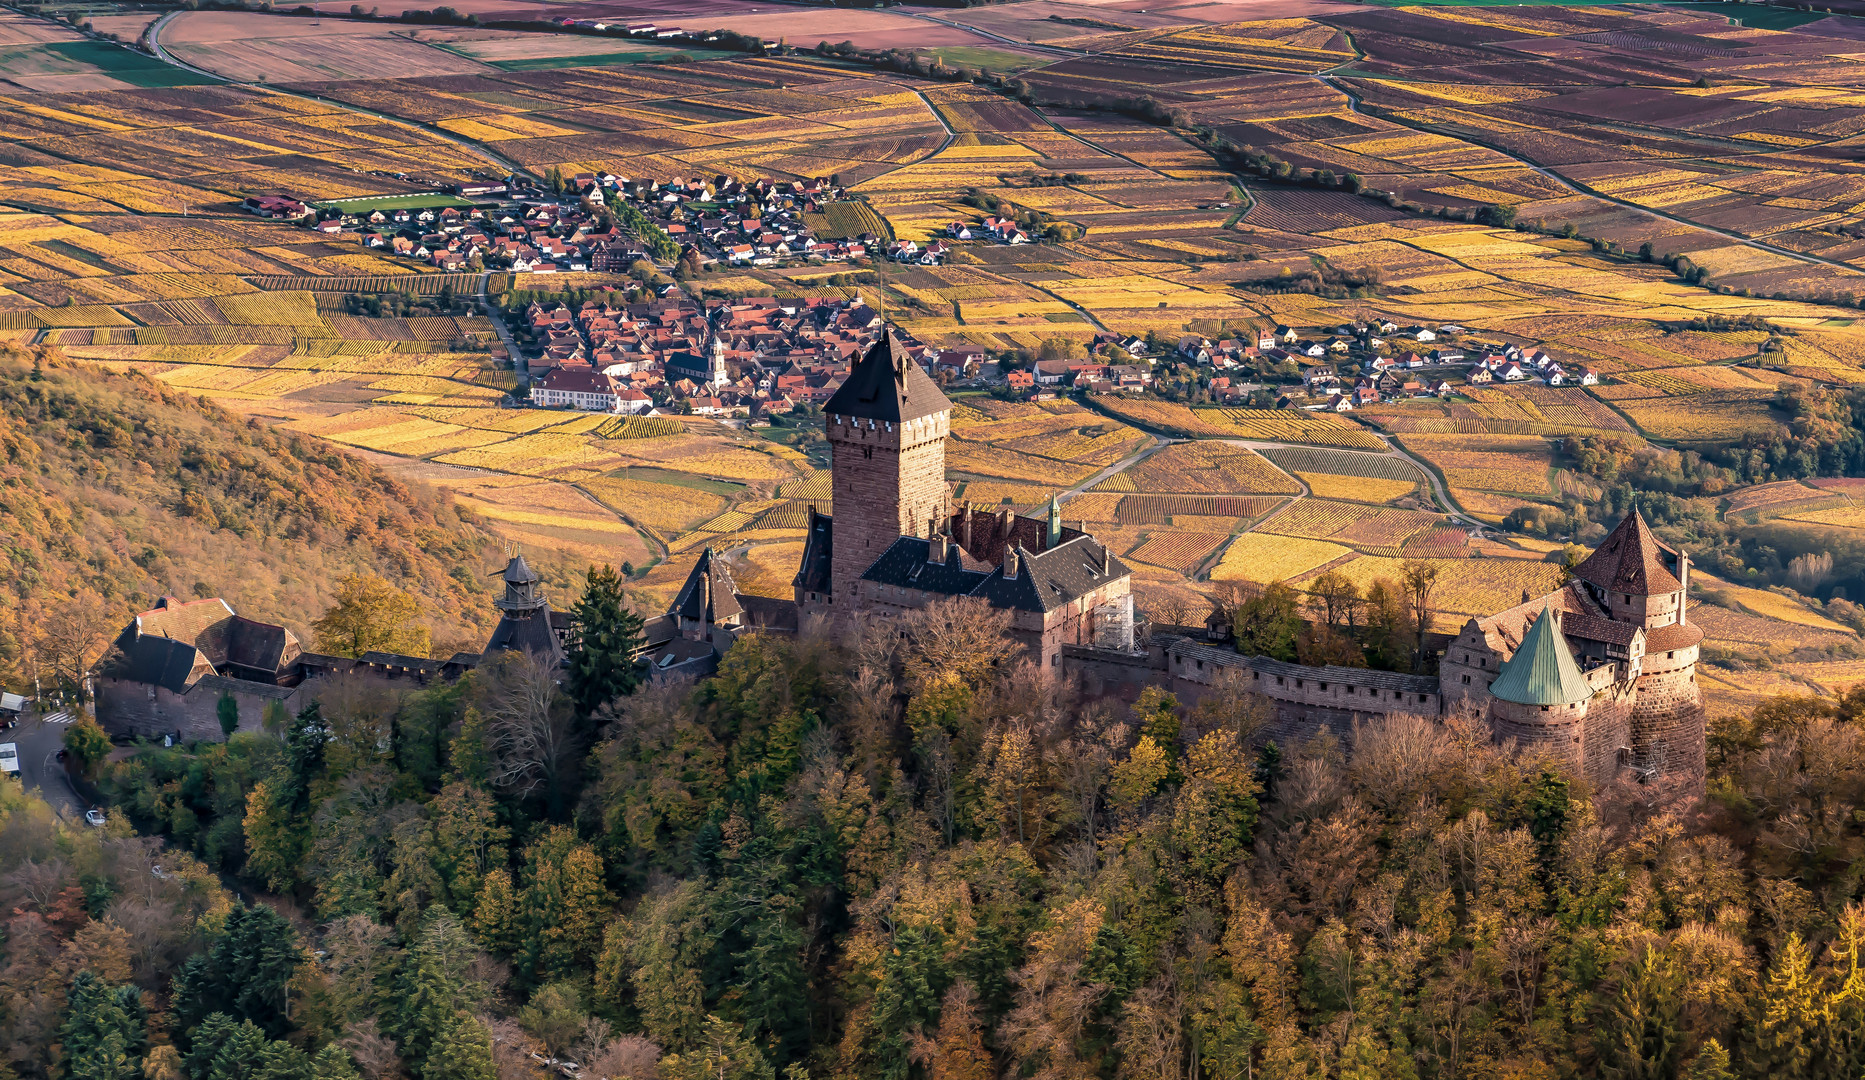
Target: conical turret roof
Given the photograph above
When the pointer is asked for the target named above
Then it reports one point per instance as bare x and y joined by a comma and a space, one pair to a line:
1542, 671
1630, 560
887, 385
519, 572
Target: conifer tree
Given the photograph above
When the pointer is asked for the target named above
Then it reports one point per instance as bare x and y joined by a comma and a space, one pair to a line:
604, 638
1783, 1034
105, 1032
461, 1050
333, 1063
244, 973
495, 914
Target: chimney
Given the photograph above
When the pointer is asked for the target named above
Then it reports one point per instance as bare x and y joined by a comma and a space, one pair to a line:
1010, 562
1683, 590
967, 539
705, 591
1107, 561
936, 549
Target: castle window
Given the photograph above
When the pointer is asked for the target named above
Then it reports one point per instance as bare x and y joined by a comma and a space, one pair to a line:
1544, 708
1421, 699
1466, 678
1324, 687
1670, 654
1279, 680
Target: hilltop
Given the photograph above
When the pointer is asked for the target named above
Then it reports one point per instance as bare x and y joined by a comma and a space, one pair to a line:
118, 490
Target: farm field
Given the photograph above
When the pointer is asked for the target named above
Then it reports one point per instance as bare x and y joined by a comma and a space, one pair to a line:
1152, 233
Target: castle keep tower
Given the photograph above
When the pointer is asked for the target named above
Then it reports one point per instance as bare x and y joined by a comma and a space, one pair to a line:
886, 427
1645, 585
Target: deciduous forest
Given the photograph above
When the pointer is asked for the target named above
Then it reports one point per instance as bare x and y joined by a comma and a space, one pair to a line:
904, 855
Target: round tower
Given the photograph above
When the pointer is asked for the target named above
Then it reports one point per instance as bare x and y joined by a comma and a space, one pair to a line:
1540, 698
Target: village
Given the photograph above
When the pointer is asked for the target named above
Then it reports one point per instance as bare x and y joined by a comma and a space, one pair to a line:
657, 348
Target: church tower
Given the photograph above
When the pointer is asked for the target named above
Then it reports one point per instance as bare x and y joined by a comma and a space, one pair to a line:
886, 427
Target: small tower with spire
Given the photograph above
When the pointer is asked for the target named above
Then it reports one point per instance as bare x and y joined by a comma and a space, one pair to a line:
526, 622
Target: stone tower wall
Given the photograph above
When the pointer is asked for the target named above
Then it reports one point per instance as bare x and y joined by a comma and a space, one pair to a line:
887, 481
1608, 727
1560, 731
1668, 726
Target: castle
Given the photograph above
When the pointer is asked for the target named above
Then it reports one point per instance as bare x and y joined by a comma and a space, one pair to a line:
1600, 673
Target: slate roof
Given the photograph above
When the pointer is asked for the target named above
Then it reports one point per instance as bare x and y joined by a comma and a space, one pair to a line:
1049, 579
708, 605
887, 385
525, 631
1593, 628
1503, 632
208, 628
519, 572
818, 546
1630, 560
904, 564
1542, 671
170, 663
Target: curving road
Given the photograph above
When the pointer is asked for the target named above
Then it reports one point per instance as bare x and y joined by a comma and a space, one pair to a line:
471, 147
39, 767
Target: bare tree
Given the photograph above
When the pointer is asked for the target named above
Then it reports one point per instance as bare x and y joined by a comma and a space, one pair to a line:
1420, 580
1338, 598
625, 1057
963, 638
528, 723
377, 1057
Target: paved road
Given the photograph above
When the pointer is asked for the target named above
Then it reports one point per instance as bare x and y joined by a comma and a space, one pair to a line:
39, 767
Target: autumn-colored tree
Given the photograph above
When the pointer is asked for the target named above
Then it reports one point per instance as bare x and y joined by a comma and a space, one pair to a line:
371, 615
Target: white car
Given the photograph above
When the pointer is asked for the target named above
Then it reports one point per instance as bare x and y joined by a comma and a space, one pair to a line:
94, 817
9, 760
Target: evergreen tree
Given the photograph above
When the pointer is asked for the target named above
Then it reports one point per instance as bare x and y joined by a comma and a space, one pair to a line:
604, 639
723, 1053
1641, 1035
105, 1032
333, 1062
1783, 1031
495, 914
244, 973
462, 1050
228, 710
1711, 1063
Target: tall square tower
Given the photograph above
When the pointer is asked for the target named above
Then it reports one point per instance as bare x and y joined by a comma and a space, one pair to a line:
886, 427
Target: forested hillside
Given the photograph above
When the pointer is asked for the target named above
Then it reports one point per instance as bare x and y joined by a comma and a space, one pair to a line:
115, 491
906, 857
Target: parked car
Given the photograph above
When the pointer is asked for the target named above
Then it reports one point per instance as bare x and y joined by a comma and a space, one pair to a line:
9, 760
94, 817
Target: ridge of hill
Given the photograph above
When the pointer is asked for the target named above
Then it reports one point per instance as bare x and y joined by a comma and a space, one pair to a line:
117, 490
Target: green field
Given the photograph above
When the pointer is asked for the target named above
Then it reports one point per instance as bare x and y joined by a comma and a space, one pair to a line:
420, 200
83, 57
645, 55
983, 59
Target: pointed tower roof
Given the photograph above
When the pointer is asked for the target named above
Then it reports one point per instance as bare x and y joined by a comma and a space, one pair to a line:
1630, 560
1542, 671
709, 593
887, 385
519, 572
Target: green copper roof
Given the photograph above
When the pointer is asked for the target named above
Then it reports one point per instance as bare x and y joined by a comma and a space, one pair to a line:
1542, 671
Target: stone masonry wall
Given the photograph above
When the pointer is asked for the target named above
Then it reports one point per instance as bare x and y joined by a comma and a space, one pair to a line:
885, 484
1668, 726
151, 711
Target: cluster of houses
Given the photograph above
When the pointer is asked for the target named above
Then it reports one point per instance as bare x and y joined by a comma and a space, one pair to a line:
1001, 229
1385, 372
752, 357
747, 223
